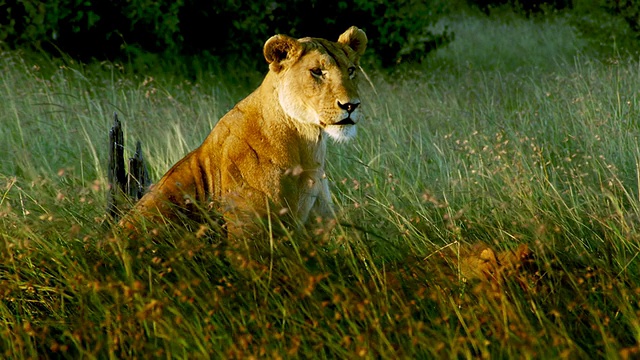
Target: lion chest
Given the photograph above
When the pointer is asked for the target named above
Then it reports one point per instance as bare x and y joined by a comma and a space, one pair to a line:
314, 186
312, 193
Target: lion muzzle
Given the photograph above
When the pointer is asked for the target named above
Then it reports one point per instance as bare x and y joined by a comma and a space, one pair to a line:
346, 121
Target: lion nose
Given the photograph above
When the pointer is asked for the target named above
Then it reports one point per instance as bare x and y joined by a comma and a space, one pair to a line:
350, 107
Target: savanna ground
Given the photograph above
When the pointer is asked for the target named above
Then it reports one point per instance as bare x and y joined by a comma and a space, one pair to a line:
508, 139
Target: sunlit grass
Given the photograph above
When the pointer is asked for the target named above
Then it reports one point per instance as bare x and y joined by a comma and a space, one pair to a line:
450, 158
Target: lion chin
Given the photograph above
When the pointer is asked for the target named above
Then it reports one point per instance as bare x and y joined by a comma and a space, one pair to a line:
341, 133
265, 159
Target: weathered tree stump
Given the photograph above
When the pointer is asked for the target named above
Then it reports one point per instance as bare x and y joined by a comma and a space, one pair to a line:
124, 187
116, 173
138, 177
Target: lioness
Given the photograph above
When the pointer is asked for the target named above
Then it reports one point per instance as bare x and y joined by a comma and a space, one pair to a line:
267, 155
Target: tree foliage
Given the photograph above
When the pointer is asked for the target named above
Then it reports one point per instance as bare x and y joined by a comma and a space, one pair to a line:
526, 6
85, 29
611, 26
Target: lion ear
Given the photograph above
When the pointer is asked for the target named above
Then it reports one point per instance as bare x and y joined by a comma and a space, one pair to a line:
354, 38
279, 48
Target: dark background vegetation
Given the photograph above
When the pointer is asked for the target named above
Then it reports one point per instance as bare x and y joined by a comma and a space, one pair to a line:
236, 30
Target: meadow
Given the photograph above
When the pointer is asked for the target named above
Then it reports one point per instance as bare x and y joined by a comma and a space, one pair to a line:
511, 138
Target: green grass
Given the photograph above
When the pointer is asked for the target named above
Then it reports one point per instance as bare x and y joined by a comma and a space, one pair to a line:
494, 141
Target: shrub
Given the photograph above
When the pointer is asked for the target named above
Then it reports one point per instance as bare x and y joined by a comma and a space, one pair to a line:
525, 6
86, 29
611, 26
398, 30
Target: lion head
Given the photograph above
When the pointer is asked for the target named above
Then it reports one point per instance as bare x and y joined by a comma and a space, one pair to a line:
316, 80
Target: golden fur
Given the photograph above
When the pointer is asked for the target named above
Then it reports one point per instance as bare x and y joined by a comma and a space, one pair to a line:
267, 155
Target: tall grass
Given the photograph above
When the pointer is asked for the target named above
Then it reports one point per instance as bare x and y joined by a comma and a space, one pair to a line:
541, 152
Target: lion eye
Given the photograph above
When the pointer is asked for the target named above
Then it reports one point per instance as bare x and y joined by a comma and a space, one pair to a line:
351, 70
316, 71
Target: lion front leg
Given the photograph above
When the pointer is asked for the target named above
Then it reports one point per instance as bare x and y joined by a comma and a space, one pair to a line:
322, 217
247, 213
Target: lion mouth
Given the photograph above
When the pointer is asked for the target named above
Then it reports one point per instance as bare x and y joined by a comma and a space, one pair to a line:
346, 121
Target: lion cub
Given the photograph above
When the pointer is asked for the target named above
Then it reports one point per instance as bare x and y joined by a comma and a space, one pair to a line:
267, 155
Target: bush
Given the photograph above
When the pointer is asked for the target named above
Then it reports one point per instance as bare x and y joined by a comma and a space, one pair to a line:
611, 26
525, 6
85, 29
